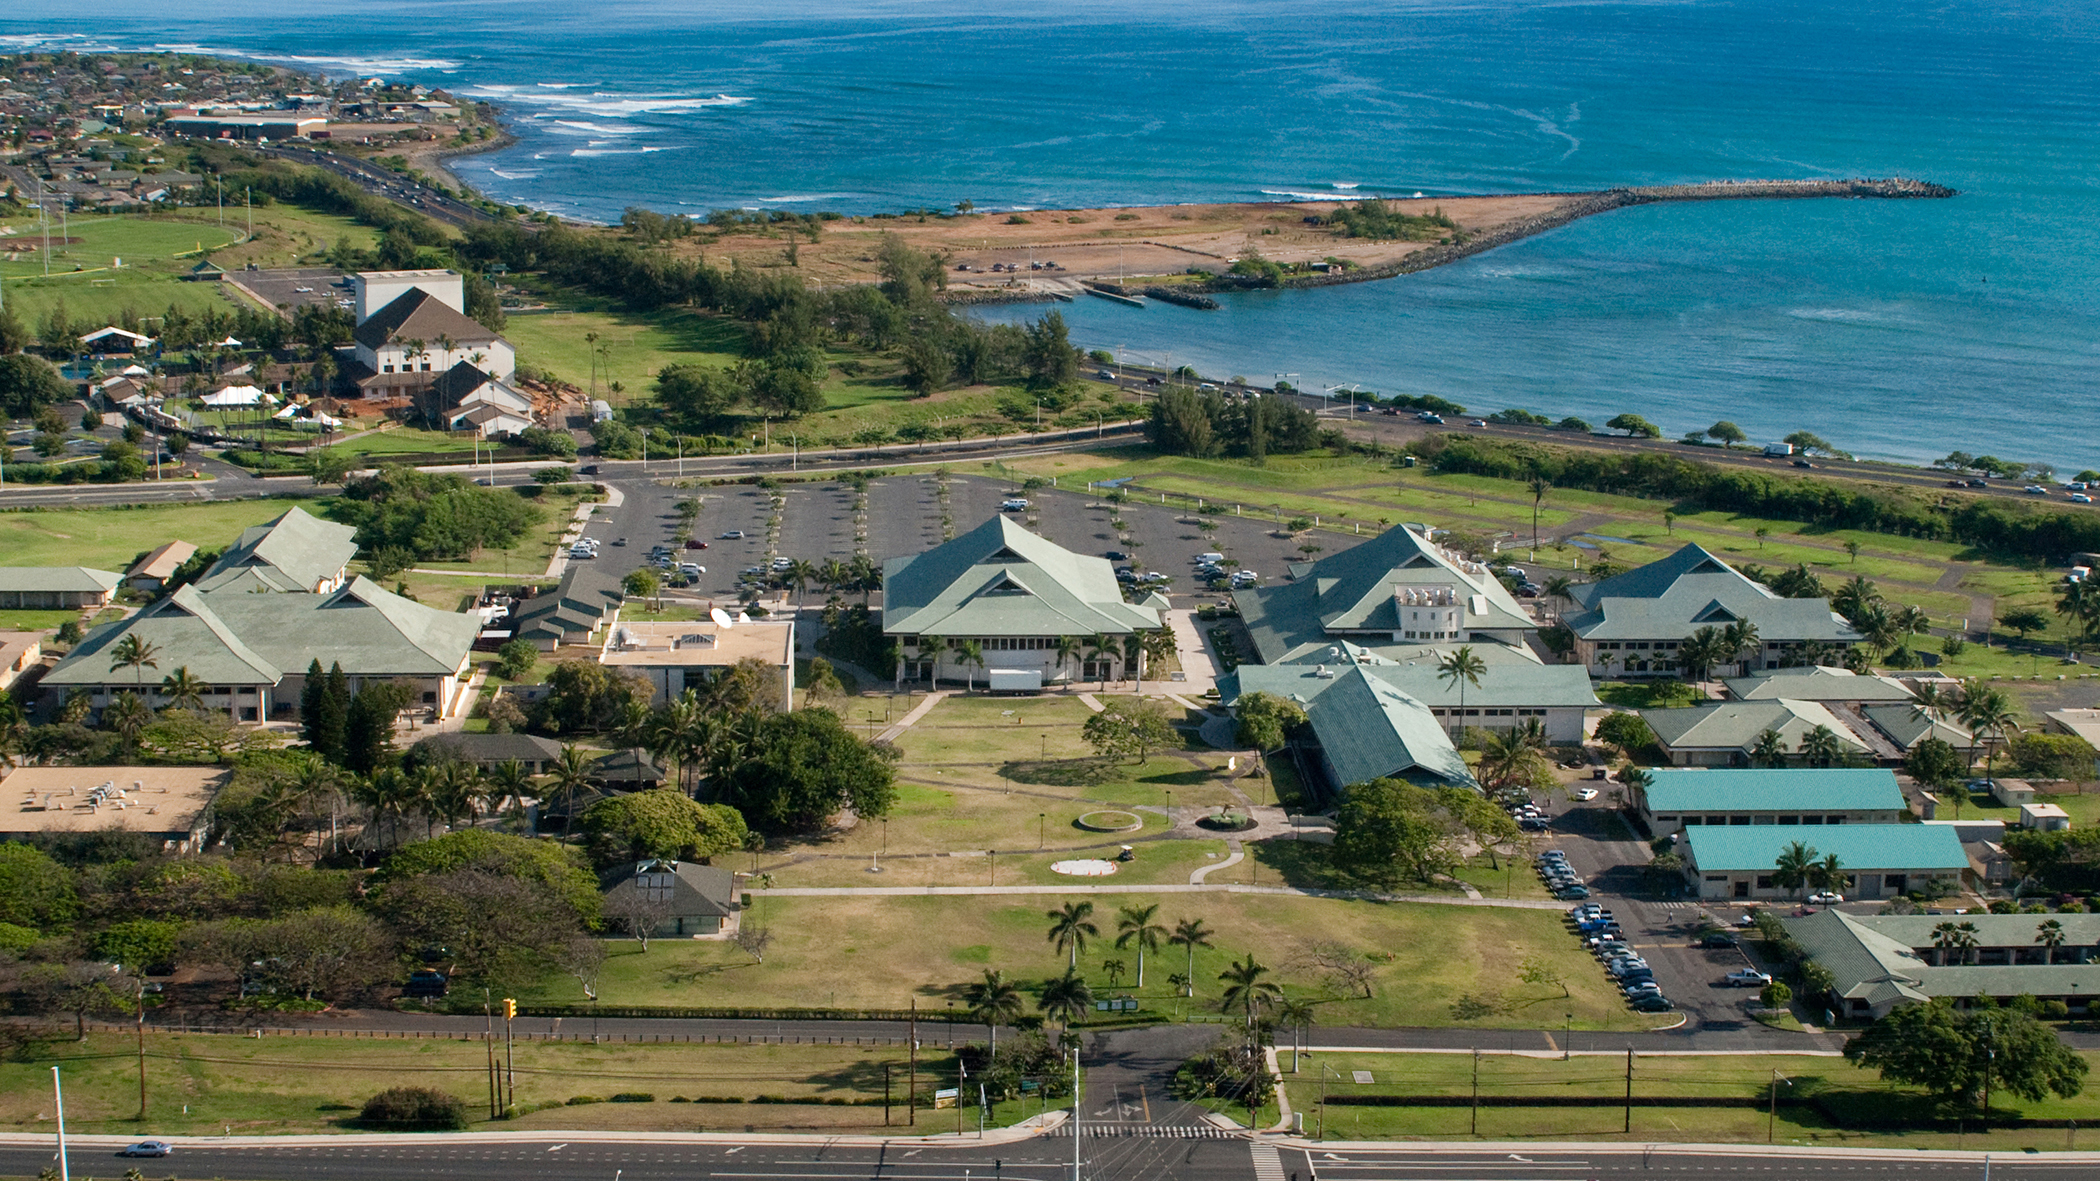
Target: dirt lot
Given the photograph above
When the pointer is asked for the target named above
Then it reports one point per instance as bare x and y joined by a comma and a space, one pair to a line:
1103, 243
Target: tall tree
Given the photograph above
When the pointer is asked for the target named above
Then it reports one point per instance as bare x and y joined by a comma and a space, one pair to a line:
1191, 934
1958, 1055
1461, 666
995, 1001
136, 653
1138, 925
1071, 926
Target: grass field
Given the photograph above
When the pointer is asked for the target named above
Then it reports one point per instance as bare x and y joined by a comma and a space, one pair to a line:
1842, 1087
294, 1084
109, 538
406, 441
882, 951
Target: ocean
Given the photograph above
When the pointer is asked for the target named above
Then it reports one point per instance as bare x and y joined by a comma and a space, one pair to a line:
1896, 329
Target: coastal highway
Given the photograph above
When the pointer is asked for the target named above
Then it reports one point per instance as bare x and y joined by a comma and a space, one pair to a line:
1162, 1157
391, 185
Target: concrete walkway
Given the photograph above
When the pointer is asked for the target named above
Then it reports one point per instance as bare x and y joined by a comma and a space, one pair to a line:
908, 720
1199, 666
1150, 888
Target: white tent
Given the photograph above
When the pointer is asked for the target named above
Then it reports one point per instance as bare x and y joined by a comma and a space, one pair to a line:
228, 343
135, 371
237, 395
327, 420
291, 410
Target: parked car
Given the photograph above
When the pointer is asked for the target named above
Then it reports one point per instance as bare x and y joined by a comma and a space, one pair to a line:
1533, 824
1625, 964
1013, 504
1826, 898
730, 535
149, 1148
1241, 579
1643, 989
1716, 939
695, 543
1746, 978
1652, 1004
619, 541
1116, 555
691, 569
1585, 794
1569, 892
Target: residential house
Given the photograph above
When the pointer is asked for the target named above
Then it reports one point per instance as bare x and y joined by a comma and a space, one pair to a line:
1737, 861
1632, 624
251, 646
1726, 733
1882, 961
466, 399
1674, 799
1016, 594
684, 899
152, 572
1397, 588
296, 553
51, 588
489, 751
678, 656
170, 804
571, 612
624, 770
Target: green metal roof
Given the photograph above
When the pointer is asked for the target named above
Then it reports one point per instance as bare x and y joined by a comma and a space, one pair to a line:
1368, 728
1817, 684
1875, 958
1353, 591
296, 552
1736, 725
237, 637
1671, 598
1859, 847
1837, 789
1906, 727
57, 580
1001, 580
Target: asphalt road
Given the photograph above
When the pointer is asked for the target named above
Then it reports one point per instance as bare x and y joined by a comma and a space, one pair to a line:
1046, 1158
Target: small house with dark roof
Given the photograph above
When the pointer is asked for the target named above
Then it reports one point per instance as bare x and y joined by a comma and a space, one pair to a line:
677, 898
488, 751
464, 398
1639, 619
571, 612
627, 769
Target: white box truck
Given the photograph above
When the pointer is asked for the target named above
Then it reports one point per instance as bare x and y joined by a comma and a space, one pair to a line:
1779, 449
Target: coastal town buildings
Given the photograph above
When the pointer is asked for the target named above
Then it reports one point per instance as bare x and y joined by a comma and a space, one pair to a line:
412, 329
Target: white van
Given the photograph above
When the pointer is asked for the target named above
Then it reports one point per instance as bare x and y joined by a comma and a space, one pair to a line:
1209, 559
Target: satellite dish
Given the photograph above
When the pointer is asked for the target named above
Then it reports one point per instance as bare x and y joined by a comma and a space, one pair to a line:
721, 618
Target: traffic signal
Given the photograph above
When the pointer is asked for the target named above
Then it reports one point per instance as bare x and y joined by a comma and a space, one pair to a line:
510, 1008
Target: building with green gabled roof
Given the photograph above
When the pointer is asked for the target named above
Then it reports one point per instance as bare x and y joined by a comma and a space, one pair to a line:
55, 587
1397, 588
252, 650
1367, 728
1726, 733
296, 553
1738, 861
1639, 618
1016, 594
1884, 960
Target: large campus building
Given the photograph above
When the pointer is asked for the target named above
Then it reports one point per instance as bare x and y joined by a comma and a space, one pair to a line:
1632, 624
413, 330
1882, 961
1016, 595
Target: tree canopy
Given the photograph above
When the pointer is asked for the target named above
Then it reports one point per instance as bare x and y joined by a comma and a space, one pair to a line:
1955, 1054
804, 767
661, 823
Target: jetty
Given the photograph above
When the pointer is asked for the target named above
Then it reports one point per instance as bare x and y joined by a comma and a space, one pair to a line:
1101, 291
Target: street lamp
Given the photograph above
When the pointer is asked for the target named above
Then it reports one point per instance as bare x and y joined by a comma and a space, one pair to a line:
1567, 1028
1772, 1114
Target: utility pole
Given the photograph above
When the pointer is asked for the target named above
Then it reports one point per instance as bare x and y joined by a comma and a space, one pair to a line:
885, 1094
911, 1086
1629, 1089
510, 1062
1075, 1111
1476, 1090
142, 1042
488, 1042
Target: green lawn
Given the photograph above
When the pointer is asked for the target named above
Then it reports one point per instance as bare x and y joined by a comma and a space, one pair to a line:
1841, 1086
201, 1083
407, 441
883, 951
110, 538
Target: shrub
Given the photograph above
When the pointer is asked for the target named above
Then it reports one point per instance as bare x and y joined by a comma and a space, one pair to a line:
415, 1107
2055, 1011
1776, 995
584, 1100
633, 1097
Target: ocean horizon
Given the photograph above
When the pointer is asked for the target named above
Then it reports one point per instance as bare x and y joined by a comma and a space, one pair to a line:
1896, 329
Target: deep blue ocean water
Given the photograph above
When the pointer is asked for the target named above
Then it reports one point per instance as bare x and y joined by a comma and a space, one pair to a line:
1896, 329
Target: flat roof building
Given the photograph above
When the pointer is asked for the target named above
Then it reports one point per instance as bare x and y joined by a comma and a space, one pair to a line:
677, 656
1737, 861
286, 125
171, 804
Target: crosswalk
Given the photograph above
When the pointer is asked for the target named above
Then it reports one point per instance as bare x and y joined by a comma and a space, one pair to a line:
1151, 1131
1268, 1163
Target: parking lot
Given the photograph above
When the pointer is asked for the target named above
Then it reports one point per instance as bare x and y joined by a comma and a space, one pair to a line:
1662, 931
291, 287
904, 517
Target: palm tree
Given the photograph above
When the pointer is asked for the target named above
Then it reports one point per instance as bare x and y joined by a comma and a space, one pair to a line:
137, 654
1954, 937
1071, 927
508, 781
1820, 747
1066, 998
1461, 666
1192, 934
800, 572
1114, 969
1513, 755
128, 716
1828, 874
834, 575
1099, 648
1699, 652
1561, 589
1246, 990
2050, 934
1068, 647
1878, 626
1854, 596
867, 576
183, 691
994, 1001
315, 779
1770, 750
1929, 703
572, 774
1134, 924
1740, 642
1539, 488
1297, 1014
1791, 870
969, 654
1987, 713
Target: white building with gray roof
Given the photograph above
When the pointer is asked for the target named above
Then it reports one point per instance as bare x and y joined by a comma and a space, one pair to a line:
1640, 618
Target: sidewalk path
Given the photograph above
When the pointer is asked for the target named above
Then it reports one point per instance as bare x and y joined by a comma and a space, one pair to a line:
908, 720
1199, 667
1151, 888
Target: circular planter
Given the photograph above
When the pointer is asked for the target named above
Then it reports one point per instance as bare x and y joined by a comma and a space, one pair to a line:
1110, 820
1227, 821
